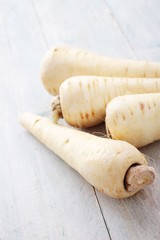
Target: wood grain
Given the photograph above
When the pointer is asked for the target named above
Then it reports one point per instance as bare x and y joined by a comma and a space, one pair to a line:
139, 22
137, 217
84, 24
41, 197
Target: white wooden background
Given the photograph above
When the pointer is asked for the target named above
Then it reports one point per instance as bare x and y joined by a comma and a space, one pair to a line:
41, 198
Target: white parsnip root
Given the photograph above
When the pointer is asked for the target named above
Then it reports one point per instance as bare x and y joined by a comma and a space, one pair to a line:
104, 163
82, 100
61, 63
134, 118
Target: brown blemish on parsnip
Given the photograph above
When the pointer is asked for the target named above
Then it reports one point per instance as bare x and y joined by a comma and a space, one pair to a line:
82, 117
123, 116
131, 113
66, 141
93, 114
118, 152
37, 120
53, 89
87, 115
101, 190
141, 106
149, 107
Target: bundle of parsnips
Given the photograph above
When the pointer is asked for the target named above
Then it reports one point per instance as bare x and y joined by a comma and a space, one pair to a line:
91, 89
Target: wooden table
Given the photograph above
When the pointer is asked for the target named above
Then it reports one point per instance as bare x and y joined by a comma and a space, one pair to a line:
42, 198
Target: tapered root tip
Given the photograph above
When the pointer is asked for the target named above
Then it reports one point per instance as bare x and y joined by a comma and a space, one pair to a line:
56, 109
139, 176
27, 120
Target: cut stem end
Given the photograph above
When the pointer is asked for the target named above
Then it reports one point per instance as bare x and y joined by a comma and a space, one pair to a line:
139, 176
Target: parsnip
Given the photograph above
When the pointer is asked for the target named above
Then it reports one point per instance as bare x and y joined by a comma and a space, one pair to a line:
82, 100
64, 62
134, 118
106, 164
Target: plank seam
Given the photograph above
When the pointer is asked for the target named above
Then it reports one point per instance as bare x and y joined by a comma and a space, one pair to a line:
108, 231
39, 23
120, 29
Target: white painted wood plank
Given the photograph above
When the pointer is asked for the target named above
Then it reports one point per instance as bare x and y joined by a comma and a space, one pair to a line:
84, 24
137, 217
95, 30
41, 197
139, 21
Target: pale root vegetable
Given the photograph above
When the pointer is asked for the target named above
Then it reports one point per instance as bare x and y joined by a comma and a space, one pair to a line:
64, 62
82, 100
134, 118
114, 167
